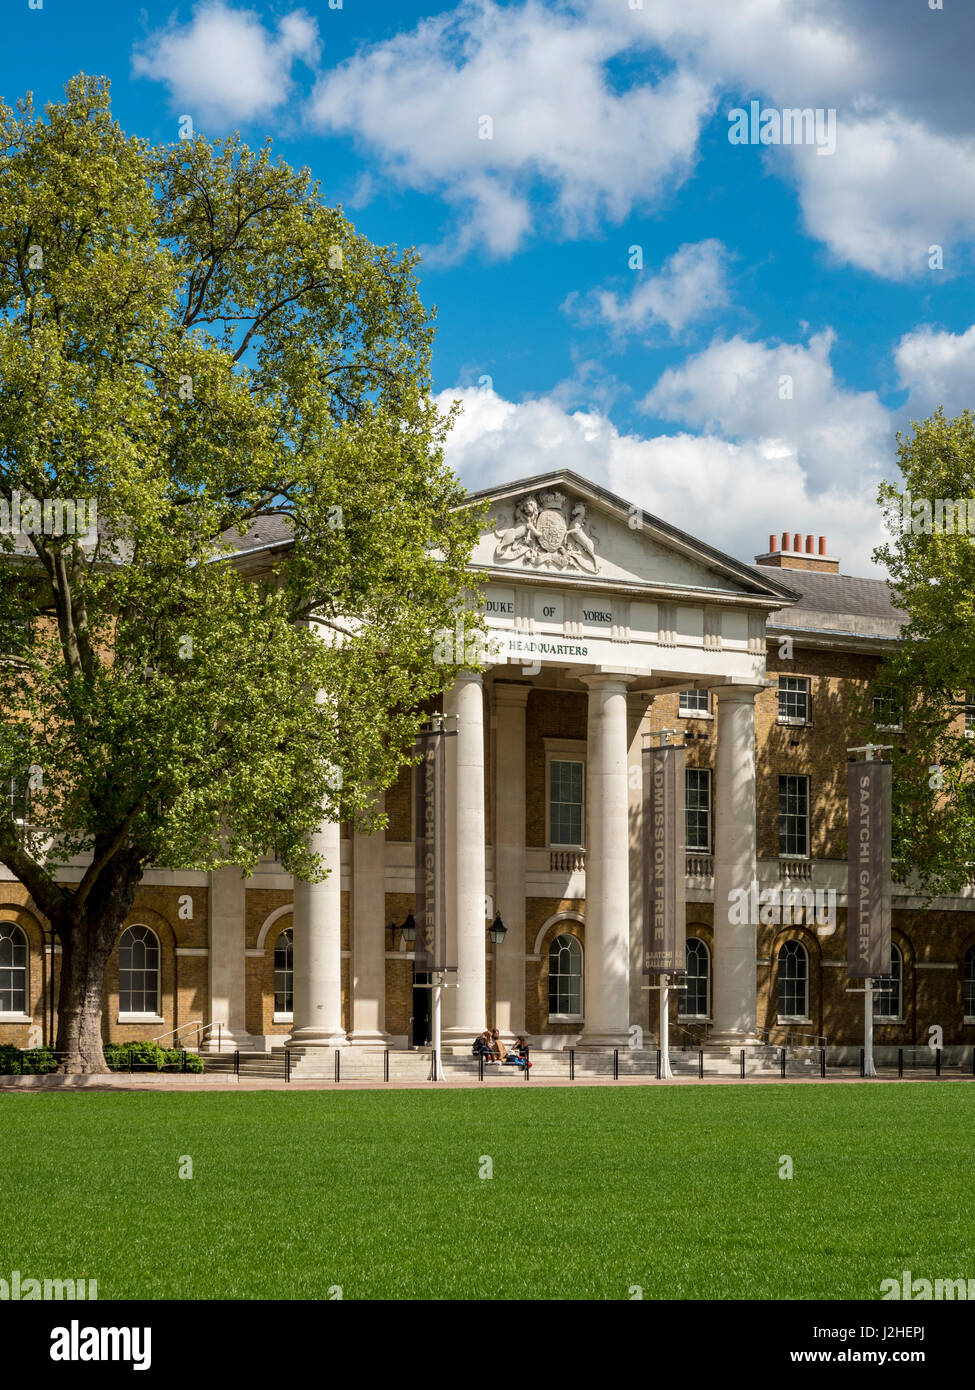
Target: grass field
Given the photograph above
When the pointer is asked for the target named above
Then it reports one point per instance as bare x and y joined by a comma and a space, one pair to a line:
594, 1190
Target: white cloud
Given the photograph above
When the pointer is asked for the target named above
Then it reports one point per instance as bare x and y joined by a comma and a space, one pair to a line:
893, 189
742, 389
691, 284
938, 369
419, 100
224, 65
901, 179
732, 495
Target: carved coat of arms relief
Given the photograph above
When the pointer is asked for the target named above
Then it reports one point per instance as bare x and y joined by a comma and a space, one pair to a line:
548, 529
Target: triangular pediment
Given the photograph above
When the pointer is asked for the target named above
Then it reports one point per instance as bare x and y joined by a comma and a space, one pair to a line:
563, 528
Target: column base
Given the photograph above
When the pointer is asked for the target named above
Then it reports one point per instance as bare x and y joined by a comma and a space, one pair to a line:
458, 1039
368, 1037
318, 1037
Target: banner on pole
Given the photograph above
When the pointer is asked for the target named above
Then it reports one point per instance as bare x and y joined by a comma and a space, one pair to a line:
430, 908
868, 902
663, 861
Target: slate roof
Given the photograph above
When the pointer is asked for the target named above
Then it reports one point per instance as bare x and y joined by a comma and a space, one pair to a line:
839, 603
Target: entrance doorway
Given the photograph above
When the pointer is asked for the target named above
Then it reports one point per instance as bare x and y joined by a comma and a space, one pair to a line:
422, 996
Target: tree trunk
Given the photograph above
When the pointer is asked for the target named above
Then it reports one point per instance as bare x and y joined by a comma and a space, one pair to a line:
88, 936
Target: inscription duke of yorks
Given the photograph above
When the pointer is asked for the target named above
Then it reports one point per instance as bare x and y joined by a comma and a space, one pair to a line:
548, 530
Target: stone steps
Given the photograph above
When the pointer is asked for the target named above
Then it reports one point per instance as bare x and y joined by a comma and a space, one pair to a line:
356, 1064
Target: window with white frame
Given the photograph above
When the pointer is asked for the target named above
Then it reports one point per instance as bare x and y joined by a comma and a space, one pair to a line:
887, 710
692, 998
970, 713
888, 992
16, 795
284, 974
138, 972
697, 809
13, 969
565, 979
969, 985
794, 817
793, 982
565, 797
693, 703
794, 703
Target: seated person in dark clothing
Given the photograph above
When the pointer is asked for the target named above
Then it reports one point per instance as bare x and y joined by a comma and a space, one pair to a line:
482, 1046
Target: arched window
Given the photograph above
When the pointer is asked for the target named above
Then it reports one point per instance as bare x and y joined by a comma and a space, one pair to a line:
793, 981
13, 969
138, 972
692, 1001
284, 973
970, 983
565, 978
888, 995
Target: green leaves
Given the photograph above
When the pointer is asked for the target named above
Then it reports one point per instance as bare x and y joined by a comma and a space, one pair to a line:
191, 338
931, 562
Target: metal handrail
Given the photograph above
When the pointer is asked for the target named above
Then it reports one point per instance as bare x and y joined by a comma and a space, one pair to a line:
816, 1039
173, 1032
200, 1027
694, 1035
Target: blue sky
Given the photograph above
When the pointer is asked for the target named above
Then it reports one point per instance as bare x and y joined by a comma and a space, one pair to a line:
744, 369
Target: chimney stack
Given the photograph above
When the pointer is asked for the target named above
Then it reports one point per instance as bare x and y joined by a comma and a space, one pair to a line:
794, 556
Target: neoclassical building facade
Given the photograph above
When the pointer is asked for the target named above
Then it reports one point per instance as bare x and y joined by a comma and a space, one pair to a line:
606, 625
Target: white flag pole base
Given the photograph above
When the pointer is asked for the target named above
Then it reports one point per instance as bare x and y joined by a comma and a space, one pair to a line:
665, 1071
869, 1069
436, 1063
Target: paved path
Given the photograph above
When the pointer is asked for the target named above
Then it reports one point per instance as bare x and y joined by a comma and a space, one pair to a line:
218, 1082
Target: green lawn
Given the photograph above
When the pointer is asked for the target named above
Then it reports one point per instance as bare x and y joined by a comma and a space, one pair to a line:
594, 1190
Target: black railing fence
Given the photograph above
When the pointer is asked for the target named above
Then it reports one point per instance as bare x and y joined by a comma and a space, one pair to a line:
575, 1064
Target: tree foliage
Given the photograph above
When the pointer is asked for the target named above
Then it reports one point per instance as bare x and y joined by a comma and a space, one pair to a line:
931, 568
195, 342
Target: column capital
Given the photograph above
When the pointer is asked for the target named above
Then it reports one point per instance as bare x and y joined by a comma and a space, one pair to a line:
739, 692
607, 680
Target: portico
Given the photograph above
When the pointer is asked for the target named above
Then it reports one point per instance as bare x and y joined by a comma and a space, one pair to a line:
593, 609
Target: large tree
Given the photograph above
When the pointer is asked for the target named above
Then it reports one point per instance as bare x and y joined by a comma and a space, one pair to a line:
195, 342
931, 677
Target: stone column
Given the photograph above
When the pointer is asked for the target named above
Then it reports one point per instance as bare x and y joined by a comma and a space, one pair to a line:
510, 701
607, 960
465, 1002
318, 949
641, 1008
226, 961
735, 865
369, 937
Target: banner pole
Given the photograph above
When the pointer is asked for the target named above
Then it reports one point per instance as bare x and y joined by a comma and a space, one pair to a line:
664, 869
869, 1067
665, 1070
436, 1066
